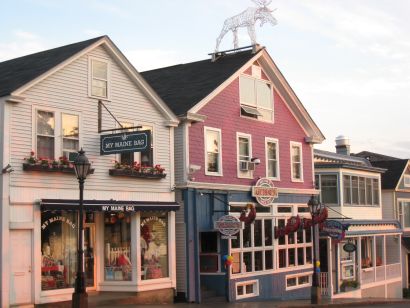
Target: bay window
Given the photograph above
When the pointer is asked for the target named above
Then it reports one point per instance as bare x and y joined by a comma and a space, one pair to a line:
213, 147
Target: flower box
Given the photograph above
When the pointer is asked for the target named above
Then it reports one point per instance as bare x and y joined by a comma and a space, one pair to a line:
46, 168
135, 174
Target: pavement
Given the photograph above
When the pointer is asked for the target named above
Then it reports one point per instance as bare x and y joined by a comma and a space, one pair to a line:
119, 299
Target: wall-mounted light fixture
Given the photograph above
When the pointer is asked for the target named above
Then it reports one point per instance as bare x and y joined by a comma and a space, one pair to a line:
255, 160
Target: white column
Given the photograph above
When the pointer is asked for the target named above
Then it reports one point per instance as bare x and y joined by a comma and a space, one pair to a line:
359, 259
374, 258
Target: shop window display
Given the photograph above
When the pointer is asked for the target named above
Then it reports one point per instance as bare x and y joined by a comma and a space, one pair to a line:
58, 249
117, 243
154, 245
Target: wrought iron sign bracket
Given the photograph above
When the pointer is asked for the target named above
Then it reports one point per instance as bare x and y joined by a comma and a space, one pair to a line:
121, 128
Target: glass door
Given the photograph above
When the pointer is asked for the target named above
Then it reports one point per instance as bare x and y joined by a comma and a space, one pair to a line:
89, 250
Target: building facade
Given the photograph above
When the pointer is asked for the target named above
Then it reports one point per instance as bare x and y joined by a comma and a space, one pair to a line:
51, 105
240, 122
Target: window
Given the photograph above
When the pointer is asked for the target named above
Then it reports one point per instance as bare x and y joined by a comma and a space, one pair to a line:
296, 161
126, 158
256, 98
298, 281
327, 183
99, 78
58, 250
213, 151
404, 213
244, 146
50, 141
154, 245
272, 158
209, 253
45, 134
407, 180
360, 190
246, 289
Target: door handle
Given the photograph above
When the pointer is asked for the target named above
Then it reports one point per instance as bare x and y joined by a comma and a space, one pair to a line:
29, 269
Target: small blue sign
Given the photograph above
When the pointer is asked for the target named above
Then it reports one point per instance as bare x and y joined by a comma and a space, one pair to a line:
125, 142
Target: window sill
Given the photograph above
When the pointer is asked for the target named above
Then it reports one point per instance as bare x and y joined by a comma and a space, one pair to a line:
40, 168
135, 174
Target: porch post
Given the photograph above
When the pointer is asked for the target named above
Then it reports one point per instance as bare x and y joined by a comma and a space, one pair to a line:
384, 257
374, 258
359, 260
329, 267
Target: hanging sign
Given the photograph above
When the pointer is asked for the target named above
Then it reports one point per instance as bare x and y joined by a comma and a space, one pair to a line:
333, 229
125, 142
228, 225
265, 191
349, 247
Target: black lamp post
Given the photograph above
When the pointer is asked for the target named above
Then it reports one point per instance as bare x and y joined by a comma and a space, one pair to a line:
315, 207
79, 300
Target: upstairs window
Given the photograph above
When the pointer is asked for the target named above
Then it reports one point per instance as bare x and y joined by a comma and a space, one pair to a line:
296, 161
360, 190
407, 180
327, 183
245, 166
404, 213
45, 134
99, 78
71, 136
256, 98
213, 161
272, 158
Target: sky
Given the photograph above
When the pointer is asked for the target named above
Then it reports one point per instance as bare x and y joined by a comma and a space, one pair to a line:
347, 60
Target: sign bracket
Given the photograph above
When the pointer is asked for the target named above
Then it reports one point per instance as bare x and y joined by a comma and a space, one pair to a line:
121, 128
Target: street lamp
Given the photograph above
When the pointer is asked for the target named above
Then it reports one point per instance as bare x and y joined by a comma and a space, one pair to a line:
79, 299
315, 206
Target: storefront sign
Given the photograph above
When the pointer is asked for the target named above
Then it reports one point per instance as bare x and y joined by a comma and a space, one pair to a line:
265, 191
118, 208
125, 142
333, 229
50, 220
228, 225
349, 247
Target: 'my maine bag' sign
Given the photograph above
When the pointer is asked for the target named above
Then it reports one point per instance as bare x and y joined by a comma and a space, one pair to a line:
125, 142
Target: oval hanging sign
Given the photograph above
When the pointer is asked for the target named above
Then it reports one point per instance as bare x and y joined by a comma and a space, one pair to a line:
333, 229
228, 225
349, 247
265, 191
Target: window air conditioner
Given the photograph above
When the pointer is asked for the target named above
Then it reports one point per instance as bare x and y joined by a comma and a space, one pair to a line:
246, 166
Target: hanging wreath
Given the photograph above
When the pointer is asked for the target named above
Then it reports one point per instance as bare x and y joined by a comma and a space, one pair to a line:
248, 215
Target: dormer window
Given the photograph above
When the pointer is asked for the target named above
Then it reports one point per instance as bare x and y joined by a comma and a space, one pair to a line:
256, 98
99, 78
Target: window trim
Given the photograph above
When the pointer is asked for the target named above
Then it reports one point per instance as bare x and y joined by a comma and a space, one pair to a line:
90, 77
255, 283
299, 145
400, 213
210, 173
298, 286
406, 177
276, 141
243, 174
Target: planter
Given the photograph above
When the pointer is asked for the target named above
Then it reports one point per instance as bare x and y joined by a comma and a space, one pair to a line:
59, 169
135, 174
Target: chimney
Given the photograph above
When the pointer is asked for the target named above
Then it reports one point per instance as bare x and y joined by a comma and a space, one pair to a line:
342, 145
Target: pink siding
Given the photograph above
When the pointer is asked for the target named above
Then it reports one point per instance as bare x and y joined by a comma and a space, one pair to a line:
223, 112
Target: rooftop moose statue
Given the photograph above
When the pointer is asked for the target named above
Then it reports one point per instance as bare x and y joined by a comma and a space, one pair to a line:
247, 19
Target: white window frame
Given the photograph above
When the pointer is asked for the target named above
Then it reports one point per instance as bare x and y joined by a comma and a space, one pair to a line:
220, 171
319, 184
90, 77
255, 104
243, 284
276, 141
249, 173
69, 138
299, 145
298, 286
401, 212
361, 203
58, 128
406, 178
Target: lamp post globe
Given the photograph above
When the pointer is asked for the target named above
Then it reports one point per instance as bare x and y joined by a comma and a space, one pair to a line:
79, 299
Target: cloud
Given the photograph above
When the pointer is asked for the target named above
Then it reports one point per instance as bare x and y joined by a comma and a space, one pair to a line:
92, 32
22, 43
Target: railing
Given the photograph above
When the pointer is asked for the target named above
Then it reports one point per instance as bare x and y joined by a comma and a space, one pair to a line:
387, 272
393, 270
324, 283
380, 273
367, 275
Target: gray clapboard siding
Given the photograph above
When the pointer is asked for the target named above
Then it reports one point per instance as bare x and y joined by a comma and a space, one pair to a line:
388, 205
179, 154
180, 243
67, 89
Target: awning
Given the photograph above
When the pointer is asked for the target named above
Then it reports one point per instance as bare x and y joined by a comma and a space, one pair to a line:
251, 110
107, 205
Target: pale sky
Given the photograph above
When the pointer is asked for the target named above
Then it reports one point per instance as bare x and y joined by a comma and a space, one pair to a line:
347, 60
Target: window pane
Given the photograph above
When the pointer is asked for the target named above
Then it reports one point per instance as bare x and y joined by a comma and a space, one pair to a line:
308, 235
355, 190
347, 189
369, 192
282, 258
99, 69
291, 282
70, 145
291, 238
154, 245
329, 188
243, 148
272, 160
362, 191
247, 260
45, 123
99, 88
247, 91
266, 115
236, 264
45, 147
295, 154
268, 259
291, 257
235, 243
58, 249
375, 191
249, 288
263, 94
208, 263
257, 231
303, 280
127, 158
70, 125
299, 236
406, 214
247, 236
258, 261
308, 255
117, 243
147, 157
301, 256
281, 239
268, 232
212, 148
209, 241
240, 290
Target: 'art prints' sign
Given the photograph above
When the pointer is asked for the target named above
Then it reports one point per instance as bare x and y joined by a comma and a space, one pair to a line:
228, 225
333, 229
265, 192
125, 142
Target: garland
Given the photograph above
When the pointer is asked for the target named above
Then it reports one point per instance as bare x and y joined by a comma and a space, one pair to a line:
248, 215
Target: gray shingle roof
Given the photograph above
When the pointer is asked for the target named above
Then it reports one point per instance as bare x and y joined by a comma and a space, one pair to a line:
19, 71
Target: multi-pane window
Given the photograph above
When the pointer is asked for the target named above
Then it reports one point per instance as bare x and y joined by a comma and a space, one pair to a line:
256, 98
299, 281
247, 289
327, 183
99, 78
272, 158
71, 135
209, 252
253, 249
296, 161
406, 180
213, 160
360, 190
127, 158
45, 134
244, 155
404, 213
294, 249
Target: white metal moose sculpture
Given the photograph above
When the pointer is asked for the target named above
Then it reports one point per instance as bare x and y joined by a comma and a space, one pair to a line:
247, 19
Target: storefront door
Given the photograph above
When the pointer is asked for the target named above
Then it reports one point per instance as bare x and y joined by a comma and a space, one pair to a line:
89, 249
